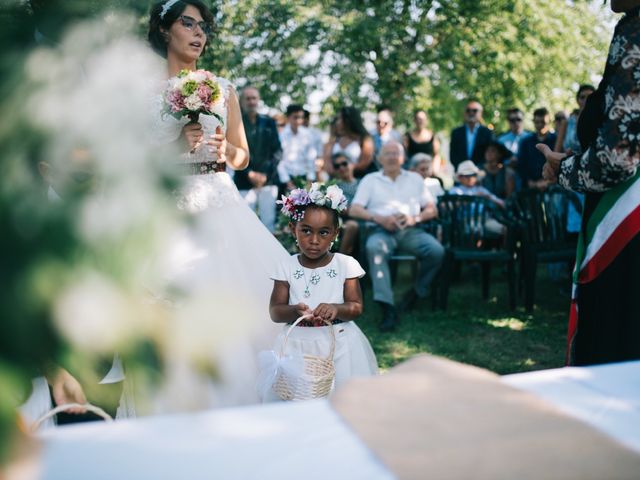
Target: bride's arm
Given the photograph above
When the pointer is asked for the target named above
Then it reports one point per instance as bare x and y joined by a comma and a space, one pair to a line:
237, 150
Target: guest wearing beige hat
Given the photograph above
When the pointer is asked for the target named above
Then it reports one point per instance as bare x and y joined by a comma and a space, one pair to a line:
467, 175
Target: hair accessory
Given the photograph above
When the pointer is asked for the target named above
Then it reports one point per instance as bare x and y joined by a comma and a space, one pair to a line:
330, 196
166, 7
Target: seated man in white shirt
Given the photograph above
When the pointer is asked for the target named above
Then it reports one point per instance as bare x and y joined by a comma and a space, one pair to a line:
396, 200
298, 149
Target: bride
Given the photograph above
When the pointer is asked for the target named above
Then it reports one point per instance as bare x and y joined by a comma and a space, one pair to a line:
226, 245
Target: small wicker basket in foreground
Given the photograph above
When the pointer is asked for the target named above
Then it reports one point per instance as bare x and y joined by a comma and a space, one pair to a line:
61, 408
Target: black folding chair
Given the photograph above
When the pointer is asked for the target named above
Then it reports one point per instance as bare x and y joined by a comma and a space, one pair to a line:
542, 220
465, 237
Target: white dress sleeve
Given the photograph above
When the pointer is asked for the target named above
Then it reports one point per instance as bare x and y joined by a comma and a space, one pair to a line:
352, 268
282, 271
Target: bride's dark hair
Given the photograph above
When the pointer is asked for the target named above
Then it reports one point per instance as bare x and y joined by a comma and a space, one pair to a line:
159, 24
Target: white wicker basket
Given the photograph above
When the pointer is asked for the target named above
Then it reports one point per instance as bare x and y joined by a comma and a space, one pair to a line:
317, 378
61, 408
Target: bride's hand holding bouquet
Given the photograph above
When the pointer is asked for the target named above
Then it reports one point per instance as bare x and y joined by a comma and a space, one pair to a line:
190, 94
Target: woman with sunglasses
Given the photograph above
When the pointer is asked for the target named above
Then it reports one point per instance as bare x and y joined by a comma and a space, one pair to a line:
227, 247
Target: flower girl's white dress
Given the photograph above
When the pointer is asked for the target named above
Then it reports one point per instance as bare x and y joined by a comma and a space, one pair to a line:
353, 356
226, 249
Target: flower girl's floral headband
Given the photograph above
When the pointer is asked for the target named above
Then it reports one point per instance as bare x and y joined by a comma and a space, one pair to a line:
319, 194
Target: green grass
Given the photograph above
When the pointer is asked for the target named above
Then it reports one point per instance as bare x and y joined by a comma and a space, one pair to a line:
482, 333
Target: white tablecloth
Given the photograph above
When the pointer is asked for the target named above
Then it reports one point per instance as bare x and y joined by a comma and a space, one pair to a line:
306, 440
604, 396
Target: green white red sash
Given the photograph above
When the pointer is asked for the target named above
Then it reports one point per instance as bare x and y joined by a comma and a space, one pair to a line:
613, 224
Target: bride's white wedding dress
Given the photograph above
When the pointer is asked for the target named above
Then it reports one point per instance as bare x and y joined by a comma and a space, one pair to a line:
224, 248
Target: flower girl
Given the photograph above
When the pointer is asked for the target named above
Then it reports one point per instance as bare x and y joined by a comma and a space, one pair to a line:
322, 285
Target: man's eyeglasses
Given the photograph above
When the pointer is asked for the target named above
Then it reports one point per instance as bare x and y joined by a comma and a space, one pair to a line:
190, 23
382, 123
560, 119
340, 165
515, 119
473, 110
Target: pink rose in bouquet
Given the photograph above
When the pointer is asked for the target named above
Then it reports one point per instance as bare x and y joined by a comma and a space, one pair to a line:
191, 93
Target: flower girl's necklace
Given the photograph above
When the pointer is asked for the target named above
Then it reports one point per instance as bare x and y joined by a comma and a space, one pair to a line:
301, 274
314, 280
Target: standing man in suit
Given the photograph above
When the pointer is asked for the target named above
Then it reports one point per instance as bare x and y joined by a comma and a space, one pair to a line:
469, 141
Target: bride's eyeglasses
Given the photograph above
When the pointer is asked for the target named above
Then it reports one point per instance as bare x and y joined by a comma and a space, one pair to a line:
190, 24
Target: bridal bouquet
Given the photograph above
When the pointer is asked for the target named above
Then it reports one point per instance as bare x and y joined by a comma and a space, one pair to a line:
191, 93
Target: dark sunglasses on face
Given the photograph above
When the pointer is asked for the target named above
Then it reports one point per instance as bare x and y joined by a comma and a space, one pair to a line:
515, 119
190, 24
472, 110
340, 165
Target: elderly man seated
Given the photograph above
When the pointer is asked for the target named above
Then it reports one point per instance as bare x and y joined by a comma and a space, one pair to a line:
396, 200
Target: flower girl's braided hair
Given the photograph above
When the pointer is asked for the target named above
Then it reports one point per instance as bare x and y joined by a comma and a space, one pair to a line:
319, 195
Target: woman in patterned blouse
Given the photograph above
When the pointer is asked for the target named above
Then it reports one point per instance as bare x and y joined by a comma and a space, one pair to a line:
604, 324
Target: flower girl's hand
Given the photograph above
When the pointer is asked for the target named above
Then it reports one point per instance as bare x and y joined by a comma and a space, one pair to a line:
325, 311
302, 309
218, 145
192, 134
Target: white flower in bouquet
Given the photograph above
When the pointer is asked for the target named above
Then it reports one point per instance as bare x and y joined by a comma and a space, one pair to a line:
192, 93
193, 102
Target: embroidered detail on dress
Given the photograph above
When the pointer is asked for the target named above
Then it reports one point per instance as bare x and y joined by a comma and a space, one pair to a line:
200, 192
608, 97
298, 274
630, 127
624, 104
618, 46
331, 273
315, 279
632, 57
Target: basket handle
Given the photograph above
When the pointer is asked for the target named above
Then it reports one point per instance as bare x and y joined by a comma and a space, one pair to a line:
332, 350
61, 408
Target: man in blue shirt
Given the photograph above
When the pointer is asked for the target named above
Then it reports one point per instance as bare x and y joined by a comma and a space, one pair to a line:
530, 160
516, 133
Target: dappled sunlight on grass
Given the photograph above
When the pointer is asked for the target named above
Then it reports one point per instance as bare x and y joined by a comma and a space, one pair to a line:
474, 331
395, 351
510, 323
